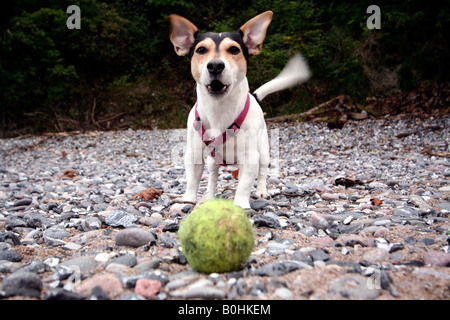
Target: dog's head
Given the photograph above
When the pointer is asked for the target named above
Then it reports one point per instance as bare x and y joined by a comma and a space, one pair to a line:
219, 60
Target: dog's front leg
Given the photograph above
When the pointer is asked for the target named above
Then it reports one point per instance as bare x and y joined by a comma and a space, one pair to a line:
248, 158
247, 175
213, 169
193, 164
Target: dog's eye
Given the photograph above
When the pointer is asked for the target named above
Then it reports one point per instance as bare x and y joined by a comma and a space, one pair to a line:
201, 50
234, 50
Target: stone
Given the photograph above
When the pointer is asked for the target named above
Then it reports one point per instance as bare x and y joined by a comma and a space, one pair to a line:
427, 241
134, 237
81, 264
53, 236
109, 283
9, 237
91, 223
23, 283
205, 292
329, 196
406, 212
376, 255
127, 260
284, 293
148, 288
354, 287
319, 222
11, 256
119, 218
259, 204
437, 258
319, 255
280, 268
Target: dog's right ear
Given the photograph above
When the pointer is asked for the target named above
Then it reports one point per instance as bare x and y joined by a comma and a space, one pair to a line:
182, 34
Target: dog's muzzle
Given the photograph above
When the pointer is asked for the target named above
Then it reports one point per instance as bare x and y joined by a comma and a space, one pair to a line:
217, 87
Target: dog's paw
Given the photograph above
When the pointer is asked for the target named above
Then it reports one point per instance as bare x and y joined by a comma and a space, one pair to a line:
244, 204
262, 194
188, 199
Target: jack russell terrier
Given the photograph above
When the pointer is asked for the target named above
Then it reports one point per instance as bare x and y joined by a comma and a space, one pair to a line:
227, 122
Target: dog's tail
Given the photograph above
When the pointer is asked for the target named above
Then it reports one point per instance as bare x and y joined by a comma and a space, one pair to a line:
295, 72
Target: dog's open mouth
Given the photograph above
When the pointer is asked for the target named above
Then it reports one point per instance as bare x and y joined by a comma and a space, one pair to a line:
217, 87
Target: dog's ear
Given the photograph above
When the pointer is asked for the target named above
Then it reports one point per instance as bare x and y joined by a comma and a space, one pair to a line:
254, 31
182, 34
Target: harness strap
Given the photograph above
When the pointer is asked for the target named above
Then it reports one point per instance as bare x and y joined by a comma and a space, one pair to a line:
232, 130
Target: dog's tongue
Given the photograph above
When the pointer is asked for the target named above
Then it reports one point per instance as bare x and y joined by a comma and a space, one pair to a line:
216, 85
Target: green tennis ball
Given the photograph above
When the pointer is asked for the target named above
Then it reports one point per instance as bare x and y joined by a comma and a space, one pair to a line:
217, 237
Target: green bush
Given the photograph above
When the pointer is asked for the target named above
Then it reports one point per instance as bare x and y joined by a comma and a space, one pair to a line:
123, 60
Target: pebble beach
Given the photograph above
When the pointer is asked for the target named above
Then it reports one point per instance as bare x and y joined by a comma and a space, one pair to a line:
360, 212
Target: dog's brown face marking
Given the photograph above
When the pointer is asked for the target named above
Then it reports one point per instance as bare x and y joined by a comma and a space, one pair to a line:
217, 46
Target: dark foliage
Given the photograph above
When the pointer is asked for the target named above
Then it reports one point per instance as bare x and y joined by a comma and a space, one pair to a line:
120, 70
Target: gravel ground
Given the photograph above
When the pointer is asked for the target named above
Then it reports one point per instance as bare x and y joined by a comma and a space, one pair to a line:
356, 213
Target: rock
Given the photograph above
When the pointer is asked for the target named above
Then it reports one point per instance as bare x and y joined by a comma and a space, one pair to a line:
91, 223
259, 204
354, 287
260, 220
81, 264
437, 258
319, 255
23, 283
11, 256
62, 294
147, 288
205, 292
109, 283
406, 212
329, 196
134, 237
376, 255
319, 222
280, 268
119, 218
284, 293
351, 228
9, 237
127, 260
54, 235
427, 241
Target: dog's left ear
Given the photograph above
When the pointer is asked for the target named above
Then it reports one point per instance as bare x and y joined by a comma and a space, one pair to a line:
182, 34
254, 32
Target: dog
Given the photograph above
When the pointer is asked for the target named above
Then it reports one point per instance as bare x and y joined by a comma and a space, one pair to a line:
227, 122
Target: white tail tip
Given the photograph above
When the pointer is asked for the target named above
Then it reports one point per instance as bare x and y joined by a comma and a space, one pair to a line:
294, 73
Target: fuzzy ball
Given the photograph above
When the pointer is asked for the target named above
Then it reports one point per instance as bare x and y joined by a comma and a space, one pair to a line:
217, 237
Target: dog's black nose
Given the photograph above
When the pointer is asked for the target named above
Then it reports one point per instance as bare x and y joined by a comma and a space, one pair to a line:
215, 67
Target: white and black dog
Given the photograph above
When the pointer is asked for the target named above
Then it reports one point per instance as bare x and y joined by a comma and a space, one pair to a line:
227, 122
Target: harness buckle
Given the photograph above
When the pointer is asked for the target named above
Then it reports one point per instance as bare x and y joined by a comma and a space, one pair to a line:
233, 129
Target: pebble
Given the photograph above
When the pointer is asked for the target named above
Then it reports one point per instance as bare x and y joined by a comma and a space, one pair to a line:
437, 258
109, 283
11, 256
280, 268
119, 218
134, 237
147, 288
377, 255
23, 283
354, 287
92, 234
81, 264
284, 293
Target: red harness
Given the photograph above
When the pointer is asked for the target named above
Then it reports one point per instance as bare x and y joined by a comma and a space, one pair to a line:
213, 143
